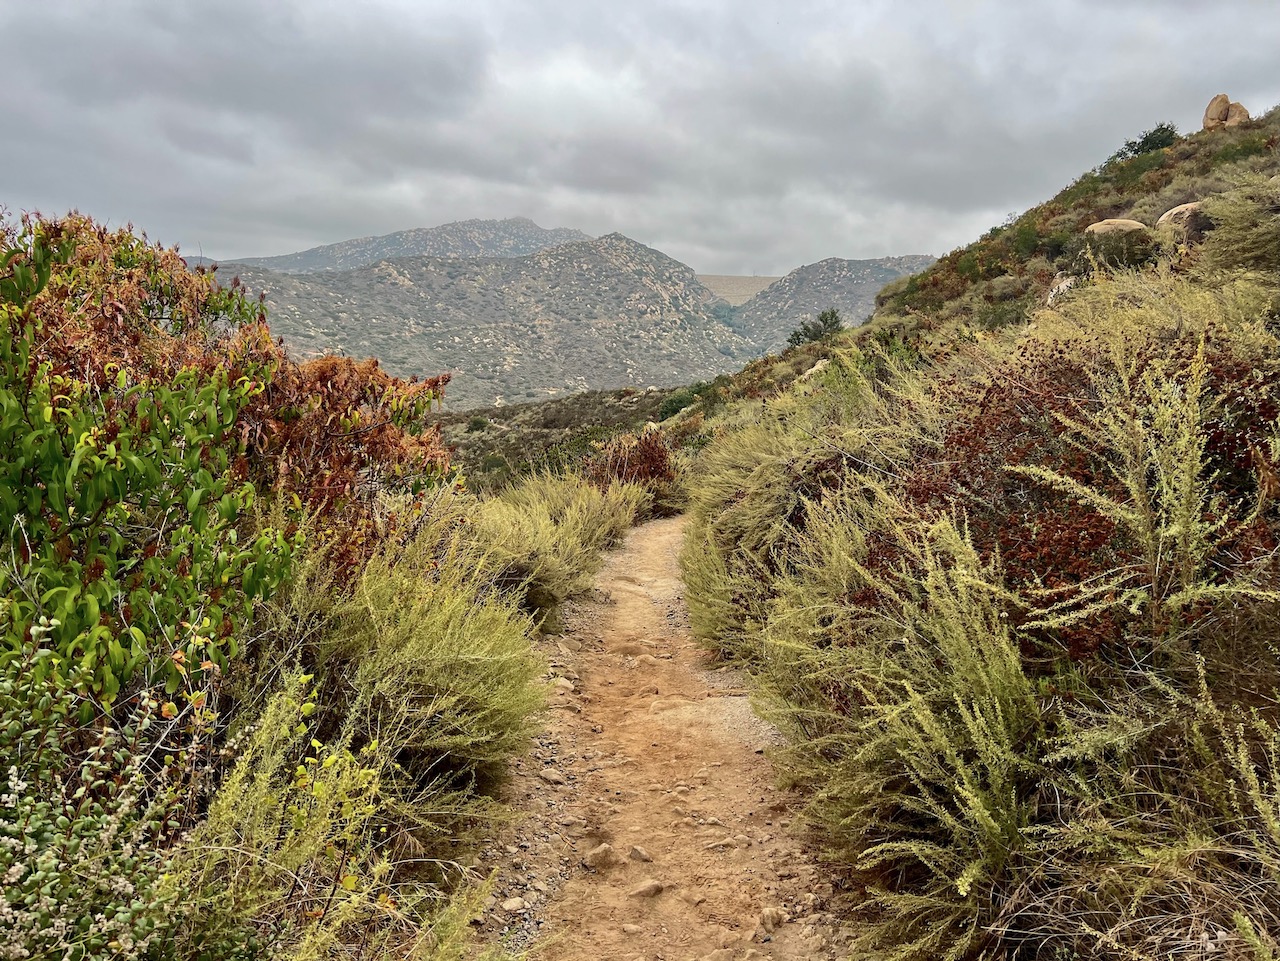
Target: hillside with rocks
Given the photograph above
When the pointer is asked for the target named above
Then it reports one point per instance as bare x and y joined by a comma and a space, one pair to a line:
850, 286
596, 314
513, 237
589, 315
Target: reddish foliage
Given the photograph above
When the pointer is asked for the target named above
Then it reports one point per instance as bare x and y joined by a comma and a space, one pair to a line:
643, 458
1052, 543
331, 431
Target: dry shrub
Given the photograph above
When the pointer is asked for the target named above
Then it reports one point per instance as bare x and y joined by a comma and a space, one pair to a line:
645, 459
1006, 609
543, 538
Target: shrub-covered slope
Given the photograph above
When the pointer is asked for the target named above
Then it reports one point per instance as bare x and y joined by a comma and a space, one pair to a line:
848, 286
999, 278
1014, 595
599, 314
262, 660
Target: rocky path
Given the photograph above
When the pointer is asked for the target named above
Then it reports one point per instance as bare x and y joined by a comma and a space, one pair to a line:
653, 829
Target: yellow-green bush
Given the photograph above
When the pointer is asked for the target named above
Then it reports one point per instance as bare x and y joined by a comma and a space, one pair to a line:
1246, 232
293, 857
1016, 612
444, 673
544, 536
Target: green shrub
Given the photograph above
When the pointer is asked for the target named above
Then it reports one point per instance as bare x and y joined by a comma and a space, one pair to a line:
124, 504
827, 324
1157, 138
677, 402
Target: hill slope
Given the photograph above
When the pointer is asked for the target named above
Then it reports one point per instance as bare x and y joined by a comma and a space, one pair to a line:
996, 280
595, 314
514, 237
947, 554
850, 286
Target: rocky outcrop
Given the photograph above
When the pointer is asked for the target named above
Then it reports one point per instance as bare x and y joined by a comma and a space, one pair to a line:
1116, 226
1224, 112
1061, 284
1236, 115
1215, 115
1187, 222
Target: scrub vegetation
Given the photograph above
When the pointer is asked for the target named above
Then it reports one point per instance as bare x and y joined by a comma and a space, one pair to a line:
1003, 571
264, 660
1012, 594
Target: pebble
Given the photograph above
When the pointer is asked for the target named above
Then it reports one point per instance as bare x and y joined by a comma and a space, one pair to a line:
632, 929
512, 905
637, 853
647, 889
771, 919
552, 776
601, 857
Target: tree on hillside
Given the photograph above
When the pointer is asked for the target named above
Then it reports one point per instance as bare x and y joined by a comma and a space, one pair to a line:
827, 325
1157, 138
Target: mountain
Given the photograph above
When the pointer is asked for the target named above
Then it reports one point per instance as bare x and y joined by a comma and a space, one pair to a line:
599, 314
514, 237
850, 286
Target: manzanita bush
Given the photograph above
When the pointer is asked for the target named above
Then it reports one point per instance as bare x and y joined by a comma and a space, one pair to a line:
116, 494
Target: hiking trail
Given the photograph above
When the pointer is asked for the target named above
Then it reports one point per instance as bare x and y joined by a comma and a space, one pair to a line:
650, 829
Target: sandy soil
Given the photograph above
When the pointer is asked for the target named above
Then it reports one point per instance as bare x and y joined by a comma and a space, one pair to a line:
653, 830
737, 290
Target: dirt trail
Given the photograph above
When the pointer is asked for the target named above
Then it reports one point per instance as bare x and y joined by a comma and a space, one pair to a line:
654, 755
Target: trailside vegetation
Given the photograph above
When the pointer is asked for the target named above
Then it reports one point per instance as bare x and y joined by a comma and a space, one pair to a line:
263, 658
1013, 596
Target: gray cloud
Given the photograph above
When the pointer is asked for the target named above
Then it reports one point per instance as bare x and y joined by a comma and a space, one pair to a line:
742, 136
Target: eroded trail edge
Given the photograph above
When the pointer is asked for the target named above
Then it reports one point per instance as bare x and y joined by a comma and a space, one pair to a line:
653, 830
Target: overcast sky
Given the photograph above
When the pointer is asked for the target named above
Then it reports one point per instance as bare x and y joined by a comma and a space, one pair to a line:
740, 136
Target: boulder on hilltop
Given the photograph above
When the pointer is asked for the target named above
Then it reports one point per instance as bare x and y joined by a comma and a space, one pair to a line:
1224, 112
1215, 115
1236, 115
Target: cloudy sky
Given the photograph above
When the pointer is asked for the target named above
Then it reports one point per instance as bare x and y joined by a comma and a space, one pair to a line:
739, 136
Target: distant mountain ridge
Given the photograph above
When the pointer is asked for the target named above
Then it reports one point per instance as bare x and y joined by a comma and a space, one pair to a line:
850, 286
600, 313
513, 237
562, 317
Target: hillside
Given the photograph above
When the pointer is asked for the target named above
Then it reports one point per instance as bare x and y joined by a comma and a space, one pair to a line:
1004, 572
514, 237
999, 278
850, 286
595, 314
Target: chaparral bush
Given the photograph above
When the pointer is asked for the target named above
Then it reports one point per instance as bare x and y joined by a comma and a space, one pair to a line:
262, 658
1015, 604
